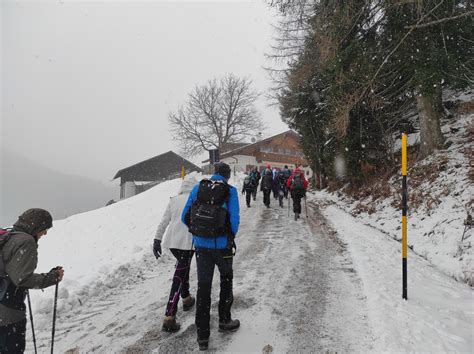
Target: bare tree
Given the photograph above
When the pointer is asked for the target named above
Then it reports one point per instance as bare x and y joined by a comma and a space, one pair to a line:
217, 113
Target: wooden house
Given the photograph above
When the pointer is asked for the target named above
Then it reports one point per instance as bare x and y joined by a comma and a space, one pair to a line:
146, 174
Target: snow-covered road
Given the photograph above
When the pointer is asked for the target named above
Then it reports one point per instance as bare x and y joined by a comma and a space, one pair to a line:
322, 283
295, 289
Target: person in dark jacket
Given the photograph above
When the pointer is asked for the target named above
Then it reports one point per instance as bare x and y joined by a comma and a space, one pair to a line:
266, 186
249, 186
211, 252
280, 185
275, 187
20, 258
287, 174
256, 175
297, 184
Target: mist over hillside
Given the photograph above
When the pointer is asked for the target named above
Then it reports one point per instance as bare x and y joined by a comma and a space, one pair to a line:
25, 184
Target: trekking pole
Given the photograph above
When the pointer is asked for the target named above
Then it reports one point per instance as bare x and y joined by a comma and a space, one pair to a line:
54, 316
289, 202
306, 205
31, 320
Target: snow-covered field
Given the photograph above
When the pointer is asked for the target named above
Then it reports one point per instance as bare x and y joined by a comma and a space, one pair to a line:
326, 282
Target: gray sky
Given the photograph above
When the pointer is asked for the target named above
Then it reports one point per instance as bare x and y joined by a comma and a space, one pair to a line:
87, 86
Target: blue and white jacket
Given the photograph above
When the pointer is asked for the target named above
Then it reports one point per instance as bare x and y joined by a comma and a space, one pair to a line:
232, 206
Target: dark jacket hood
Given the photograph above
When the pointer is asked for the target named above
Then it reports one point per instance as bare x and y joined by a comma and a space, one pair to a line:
33, 221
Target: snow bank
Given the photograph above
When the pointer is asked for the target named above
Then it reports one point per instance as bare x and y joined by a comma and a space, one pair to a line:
438, 316
92, 246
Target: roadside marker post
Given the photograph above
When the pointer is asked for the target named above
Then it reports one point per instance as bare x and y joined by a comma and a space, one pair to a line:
404, 216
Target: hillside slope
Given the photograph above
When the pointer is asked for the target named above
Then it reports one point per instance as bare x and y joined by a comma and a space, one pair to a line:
441, 193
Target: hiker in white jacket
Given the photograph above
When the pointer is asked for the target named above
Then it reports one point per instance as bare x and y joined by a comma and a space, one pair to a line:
179, 241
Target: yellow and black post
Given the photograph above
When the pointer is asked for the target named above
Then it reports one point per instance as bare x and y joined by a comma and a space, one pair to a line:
183, 172
404, 215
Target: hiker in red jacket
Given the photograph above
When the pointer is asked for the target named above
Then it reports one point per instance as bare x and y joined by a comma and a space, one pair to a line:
297, 185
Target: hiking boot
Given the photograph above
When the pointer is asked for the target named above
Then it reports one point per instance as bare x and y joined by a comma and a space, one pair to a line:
296, 216
188, 303
170, 324
203, 344
229, 325
248, 205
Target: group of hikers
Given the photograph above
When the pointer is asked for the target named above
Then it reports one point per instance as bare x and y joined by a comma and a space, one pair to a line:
202, 220
279, 182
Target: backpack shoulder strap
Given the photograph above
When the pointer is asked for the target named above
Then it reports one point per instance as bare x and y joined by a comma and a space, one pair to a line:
214, 183
5, 235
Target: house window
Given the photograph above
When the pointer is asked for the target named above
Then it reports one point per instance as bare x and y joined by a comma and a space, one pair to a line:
266, 149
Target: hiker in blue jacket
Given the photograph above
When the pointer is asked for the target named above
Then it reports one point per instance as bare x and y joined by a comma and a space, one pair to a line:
214, 246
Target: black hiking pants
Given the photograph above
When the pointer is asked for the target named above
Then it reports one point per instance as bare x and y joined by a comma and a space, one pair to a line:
248, 195
206, 260
12, 337
296, 202
254, 193
266, 196
275, 193
180, 278
281, 195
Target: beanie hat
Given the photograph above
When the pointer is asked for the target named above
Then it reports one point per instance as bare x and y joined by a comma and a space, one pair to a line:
222, 169
33, 221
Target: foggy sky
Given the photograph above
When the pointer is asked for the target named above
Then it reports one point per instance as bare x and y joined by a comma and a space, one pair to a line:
87, 86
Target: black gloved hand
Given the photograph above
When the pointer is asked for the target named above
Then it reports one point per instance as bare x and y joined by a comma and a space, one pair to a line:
57, 273
157, 248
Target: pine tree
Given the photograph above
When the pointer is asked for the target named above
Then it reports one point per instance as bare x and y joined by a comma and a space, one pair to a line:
434, 52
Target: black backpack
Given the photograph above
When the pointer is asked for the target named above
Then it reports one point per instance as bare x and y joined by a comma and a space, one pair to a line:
297, 183
208, 217
267, 181
249, 182
281, 180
